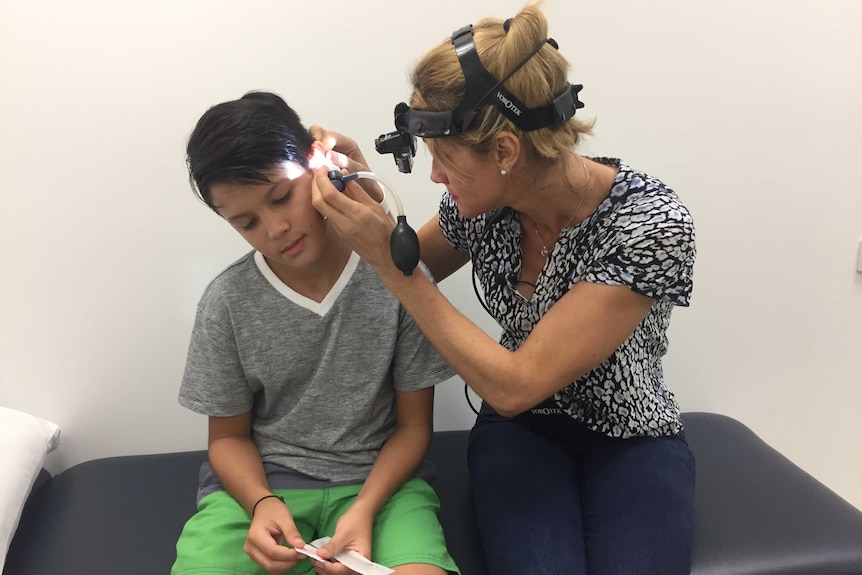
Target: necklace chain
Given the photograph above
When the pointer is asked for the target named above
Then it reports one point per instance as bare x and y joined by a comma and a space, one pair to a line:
544, 251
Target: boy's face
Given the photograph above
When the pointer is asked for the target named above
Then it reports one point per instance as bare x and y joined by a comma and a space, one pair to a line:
276, 217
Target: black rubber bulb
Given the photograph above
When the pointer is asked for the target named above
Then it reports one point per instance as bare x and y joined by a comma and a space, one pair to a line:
404, 245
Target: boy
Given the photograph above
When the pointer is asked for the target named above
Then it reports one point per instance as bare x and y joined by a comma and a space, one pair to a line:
317, 383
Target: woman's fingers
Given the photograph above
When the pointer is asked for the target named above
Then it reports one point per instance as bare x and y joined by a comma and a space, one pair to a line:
354, 216
345, 149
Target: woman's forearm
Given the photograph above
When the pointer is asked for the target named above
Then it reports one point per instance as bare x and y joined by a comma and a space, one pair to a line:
580, 331
489, 369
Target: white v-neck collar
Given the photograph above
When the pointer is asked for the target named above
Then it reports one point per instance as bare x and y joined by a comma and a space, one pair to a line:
324, 306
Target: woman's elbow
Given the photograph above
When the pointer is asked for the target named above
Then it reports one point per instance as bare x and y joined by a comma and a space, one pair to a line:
511, 405
520, 398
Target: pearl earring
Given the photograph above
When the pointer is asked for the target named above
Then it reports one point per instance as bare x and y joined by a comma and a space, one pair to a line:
504, 173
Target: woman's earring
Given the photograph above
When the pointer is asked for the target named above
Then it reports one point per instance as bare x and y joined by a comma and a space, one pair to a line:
504, 173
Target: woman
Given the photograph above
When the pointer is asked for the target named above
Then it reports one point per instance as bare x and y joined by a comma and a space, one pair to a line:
578, 458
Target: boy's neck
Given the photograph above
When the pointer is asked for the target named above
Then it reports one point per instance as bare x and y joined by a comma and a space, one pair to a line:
316, 281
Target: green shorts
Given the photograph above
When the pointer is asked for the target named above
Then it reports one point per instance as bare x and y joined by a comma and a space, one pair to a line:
406, 529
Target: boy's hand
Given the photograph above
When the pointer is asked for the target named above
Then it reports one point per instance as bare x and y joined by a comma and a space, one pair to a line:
352, 531
271, 525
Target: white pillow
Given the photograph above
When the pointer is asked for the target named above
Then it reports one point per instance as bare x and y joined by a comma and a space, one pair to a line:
25, 440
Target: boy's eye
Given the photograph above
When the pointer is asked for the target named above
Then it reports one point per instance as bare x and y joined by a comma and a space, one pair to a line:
282, 199
249, 225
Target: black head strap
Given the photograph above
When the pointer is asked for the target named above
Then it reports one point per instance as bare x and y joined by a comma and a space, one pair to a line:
483, 89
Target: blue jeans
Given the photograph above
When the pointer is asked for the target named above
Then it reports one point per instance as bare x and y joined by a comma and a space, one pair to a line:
553, 497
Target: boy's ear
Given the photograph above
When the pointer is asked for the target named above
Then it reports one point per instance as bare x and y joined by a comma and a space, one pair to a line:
506, 149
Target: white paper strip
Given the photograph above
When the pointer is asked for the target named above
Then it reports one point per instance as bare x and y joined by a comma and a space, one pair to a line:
353, 560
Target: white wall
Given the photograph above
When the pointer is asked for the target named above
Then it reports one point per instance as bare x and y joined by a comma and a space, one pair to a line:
750, 109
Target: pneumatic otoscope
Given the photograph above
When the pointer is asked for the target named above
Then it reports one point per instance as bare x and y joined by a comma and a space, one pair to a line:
403, 242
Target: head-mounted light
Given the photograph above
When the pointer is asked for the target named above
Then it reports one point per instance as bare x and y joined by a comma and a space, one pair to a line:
482, 89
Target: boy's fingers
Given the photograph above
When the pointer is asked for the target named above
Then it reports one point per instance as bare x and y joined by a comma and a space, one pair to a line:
293, 539
328, 550
331, 547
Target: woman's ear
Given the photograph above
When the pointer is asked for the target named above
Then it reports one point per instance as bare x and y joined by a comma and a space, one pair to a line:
506, 149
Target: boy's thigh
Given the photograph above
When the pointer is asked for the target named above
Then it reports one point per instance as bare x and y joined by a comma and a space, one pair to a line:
406, 529
212, 539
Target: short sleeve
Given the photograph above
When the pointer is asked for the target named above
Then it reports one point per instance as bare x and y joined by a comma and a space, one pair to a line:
452, 224
652, 250
416, 364
214, 382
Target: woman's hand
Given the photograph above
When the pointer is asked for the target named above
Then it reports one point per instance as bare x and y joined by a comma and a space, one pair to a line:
352, 531
356, 217
271, 525
344, 152
341, 150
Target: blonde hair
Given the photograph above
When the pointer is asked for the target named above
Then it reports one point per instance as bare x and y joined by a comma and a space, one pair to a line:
439, 84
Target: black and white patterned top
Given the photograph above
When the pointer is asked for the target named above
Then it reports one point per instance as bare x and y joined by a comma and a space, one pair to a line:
640, 236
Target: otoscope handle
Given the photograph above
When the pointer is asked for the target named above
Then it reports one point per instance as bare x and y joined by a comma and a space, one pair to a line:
337, 179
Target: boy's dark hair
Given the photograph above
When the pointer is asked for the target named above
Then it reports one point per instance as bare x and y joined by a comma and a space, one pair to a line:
237, 141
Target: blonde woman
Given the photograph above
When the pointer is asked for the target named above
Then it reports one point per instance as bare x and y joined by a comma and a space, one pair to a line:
578, 457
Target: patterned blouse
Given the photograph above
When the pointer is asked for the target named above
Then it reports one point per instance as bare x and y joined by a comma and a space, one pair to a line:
640, 236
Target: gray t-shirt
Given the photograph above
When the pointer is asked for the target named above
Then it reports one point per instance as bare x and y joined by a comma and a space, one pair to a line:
319, 378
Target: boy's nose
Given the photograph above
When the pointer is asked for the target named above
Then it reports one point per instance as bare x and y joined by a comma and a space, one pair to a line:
276, 227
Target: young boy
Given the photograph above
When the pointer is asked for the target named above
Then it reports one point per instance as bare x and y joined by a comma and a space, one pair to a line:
317, 383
